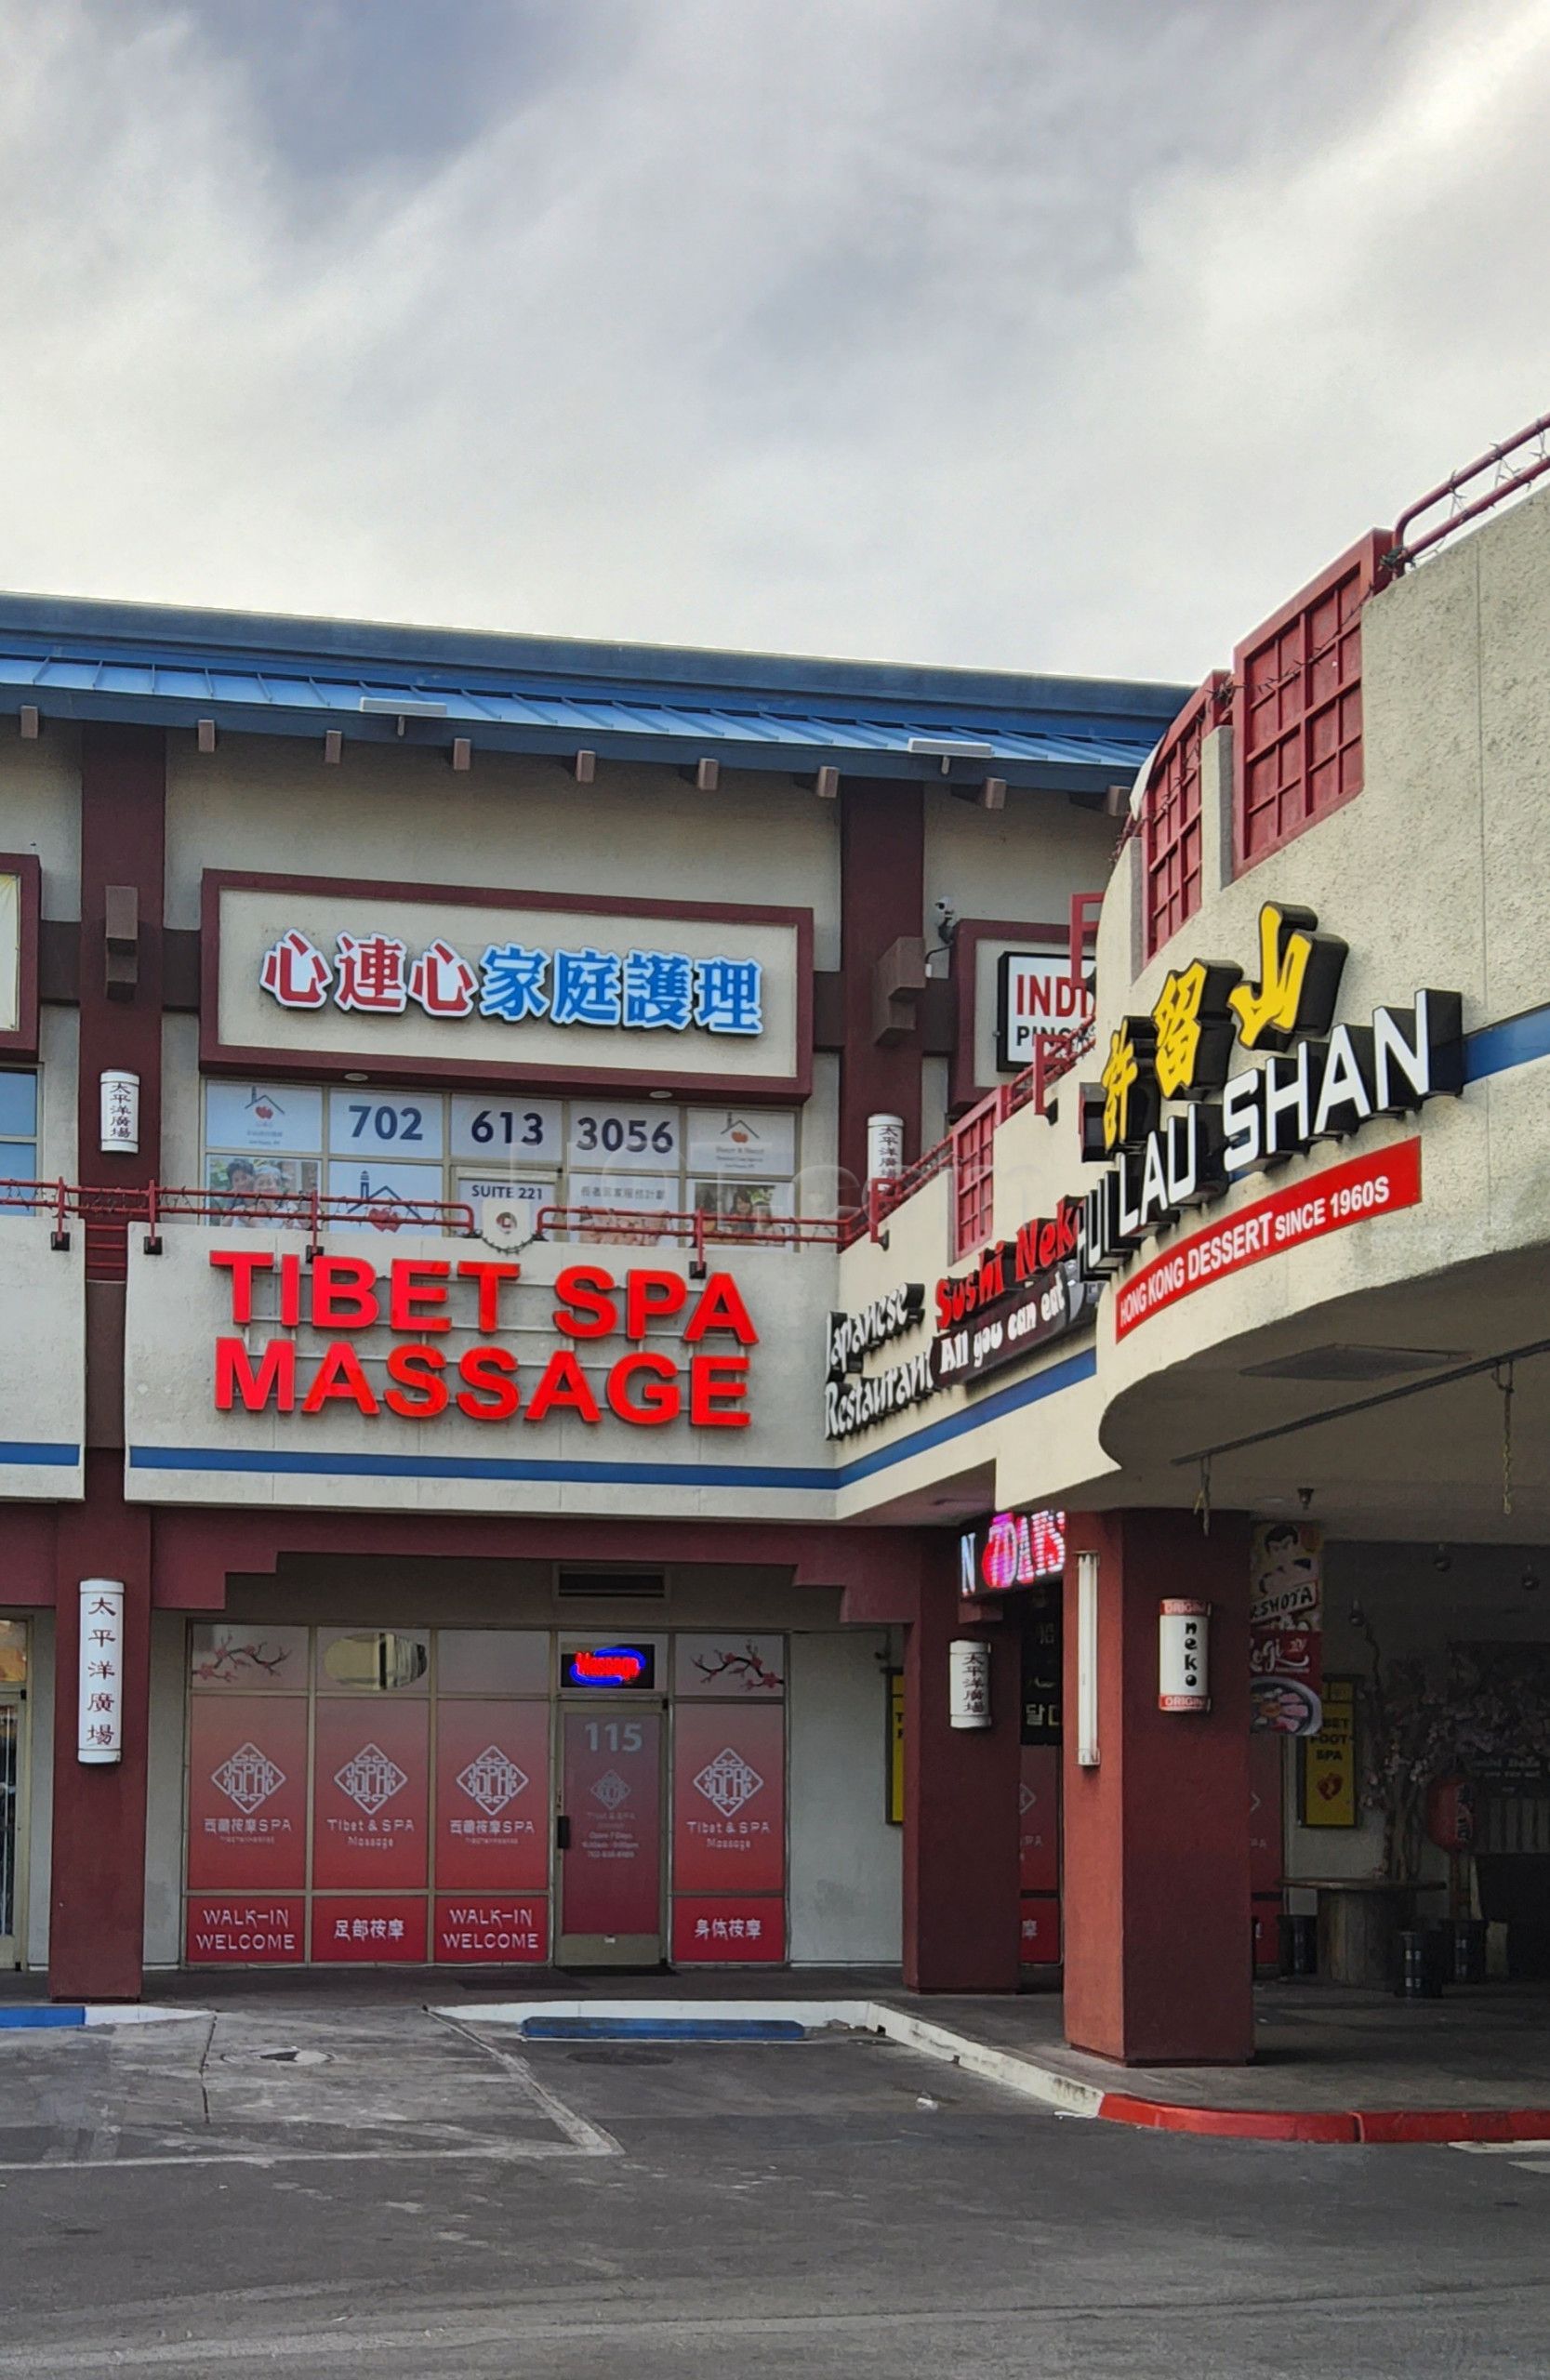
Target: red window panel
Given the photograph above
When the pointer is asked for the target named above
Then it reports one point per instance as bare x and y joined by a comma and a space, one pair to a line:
974, 1177
1297, 705
1171, 817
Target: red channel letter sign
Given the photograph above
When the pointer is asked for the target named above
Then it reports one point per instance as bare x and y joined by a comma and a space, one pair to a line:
1353, 1193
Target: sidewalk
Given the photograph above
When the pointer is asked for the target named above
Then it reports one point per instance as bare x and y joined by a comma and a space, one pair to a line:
1330, 2065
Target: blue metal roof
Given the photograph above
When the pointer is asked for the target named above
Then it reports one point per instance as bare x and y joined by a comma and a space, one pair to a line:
271, 675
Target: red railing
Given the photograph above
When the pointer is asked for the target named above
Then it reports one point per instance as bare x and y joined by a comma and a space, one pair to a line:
645, 1227
1406, 550
108, 1214
1056, 1054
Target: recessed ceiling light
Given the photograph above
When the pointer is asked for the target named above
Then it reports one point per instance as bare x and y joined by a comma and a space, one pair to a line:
660, 1094
357, 1077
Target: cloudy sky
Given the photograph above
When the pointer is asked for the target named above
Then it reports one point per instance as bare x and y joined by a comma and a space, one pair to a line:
1039, 334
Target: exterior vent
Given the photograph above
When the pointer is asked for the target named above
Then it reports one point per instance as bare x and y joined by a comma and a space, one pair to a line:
611, 1586
1354, 1363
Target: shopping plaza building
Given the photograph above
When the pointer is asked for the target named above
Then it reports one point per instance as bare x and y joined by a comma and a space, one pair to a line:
658, 1312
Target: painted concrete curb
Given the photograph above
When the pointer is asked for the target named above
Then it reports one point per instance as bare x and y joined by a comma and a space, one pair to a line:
1348, 2127
54, 2017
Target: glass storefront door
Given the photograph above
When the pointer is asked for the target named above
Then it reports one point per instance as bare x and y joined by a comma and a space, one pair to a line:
610, 1834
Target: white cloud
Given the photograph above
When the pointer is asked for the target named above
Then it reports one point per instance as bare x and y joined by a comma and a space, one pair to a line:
990, 331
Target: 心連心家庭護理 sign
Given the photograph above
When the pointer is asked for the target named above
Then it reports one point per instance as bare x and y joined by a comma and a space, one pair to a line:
449, 980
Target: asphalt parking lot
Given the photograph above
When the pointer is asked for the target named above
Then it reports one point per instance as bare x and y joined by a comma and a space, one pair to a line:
311, 2191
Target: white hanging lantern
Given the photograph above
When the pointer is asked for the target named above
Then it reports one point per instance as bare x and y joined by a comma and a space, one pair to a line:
1183, 1655
884, 1147
99, 1689
120, 1114
968, 1683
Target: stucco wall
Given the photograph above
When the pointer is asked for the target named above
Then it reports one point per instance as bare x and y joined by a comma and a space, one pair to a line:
42, 1401
1434, 876
40, 810
845, 1859
522, 825
179, 1305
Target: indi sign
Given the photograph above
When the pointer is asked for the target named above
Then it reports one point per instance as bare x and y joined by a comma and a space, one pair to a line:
1037, 998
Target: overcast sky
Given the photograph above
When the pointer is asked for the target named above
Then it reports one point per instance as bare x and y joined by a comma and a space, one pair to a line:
1036, 334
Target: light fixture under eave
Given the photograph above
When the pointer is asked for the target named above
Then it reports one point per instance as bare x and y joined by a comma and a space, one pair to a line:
349, 1077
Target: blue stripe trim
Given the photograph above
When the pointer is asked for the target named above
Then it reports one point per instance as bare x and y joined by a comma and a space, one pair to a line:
408, 1466
1049, 1383
794, 1478
661, 2029
1497, 1048
50, 1453
32, 2017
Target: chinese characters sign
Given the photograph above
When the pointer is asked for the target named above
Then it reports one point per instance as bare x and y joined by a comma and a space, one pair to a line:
1319, 1081
475, 986
100, 1726
645, 991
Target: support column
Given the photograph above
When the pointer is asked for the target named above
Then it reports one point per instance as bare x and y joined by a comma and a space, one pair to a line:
1156, 1896
97, 1891
881, 899
97, 1897
960, 1909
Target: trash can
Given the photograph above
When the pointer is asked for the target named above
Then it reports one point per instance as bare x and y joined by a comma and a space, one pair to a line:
1299, 1945
1466, 1949
1421, 1964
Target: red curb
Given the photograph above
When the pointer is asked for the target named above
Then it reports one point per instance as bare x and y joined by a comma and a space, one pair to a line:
1369, 2126
1231, 2124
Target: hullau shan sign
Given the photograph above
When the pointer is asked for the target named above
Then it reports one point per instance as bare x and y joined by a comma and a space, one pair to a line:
1320, 1081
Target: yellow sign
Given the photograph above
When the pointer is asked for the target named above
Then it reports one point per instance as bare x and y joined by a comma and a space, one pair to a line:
1330, 1760
895, 1747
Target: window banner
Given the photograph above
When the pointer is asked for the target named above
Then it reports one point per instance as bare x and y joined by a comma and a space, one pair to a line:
482, 1931
374, 1928
729, 1798
719, 1931
370, 1780
491, 1797
1038, 1820
247, 1794
245, 1930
